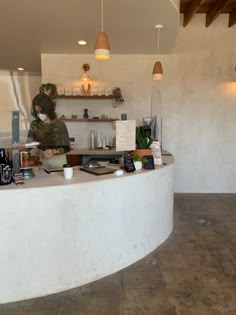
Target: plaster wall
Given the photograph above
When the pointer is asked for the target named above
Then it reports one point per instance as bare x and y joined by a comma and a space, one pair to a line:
199, 107
196, 100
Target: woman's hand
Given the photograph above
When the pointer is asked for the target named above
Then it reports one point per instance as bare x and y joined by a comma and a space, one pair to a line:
49, 153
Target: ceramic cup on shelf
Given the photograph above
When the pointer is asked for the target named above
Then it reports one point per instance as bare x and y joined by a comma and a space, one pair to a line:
68, 171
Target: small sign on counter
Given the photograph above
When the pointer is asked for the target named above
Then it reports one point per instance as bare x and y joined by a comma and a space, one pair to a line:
148, 162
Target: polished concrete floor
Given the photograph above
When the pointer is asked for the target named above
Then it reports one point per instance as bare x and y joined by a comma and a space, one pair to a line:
192, 273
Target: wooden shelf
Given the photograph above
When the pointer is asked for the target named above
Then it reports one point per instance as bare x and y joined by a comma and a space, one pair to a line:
103, 97
89, 120
86, 97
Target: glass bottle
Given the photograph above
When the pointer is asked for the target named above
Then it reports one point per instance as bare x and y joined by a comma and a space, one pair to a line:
5, 169
92, 139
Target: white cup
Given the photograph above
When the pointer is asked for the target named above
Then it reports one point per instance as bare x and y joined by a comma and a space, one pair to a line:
68, 171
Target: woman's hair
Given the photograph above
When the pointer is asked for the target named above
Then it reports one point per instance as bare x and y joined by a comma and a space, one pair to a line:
46, 104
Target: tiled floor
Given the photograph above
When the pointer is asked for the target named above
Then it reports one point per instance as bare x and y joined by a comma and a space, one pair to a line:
192, 273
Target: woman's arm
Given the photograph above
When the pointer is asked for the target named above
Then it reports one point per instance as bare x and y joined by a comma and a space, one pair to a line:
61, 141
50, 152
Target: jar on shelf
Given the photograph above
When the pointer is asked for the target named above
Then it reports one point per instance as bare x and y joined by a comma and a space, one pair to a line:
86, 116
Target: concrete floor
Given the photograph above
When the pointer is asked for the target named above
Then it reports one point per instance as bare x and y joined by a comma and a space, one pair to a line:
192, 273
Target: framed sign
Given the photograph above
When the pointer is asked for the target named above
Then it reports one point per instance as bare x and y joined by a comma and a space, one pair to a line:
129, 164
148, 162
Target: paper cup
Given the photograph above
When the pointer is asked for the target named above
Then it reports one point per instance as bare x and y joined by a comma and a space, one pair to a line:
68, 171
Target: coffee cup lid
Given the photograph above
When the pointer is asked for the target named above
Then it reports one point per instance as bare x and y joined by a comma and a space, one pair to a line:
67, 165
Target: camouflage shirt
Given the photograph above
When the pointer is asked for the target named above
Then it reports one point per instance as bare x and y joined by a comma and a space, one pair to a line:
52, 135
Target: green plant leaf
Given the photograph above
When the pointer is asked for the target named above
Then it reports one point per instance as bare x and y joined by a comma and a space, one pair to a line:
142, 140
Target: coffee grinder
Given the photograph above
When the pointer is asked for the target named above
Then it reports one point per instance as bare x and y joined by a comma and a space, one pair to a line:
149, 126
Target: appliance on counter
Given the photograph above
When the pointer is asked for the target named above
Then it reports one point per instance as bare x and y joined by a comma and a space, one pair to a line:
85, 159
150, 126
72, 142
97, 170
29, 159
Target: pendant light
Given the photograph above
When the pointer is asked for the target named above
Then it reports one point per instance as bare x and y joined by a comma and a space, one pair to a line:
102, 48
85, 78
157, 72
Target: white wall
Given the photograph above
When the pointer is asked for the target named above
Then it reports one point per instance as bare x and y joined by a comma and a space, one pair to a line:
123, 71
199, 107
16, 92
197, 99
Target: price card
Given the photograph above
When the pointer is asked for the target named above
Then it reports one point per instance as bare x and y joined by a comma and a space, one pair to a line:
148, 162
129, 164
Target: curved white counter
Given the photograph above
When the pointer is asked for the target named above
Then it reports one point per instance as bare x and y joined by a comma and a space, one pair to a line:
56, 234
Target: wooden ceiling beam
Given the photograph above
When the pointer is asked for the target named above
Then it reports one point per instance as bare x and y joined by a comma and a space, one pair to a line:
215, 11
191, 10
232, 18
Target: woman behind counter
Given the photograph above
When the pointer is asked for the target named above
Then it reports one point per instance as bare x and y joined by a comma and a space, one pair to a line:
50, 131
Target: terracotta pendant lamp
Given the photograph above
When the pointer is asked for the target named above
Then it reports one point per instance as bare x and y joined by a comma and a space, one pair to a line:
102, 47
157, 73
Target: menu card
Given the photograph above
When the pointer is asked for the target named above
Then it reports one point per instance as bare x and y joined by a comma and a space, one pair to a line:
125, 135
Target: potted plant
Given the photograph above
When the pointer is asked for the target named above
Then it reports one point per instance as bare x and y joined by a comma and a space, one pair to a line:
143, 143
137, 162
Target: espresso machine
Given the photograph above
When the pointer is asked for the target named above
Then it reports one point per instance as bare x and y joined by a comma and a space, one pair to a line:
150, 126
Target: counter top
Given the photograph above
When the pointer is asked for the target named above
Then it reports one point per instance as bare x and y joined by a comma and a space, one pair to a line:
43, 179
113, 151
76, 151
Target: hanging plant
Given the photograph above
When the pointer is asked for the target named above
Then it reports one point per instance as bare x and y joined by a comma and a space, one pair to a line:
48, 88
117, 95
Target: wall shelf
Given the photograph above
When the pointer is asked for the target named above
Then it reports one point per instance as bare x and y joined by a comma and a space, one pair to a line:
103, 97
69, 97
89, 120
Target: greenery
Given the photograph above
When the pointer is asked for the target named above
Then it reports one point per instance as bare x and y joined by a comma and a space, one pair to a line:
48, 88
117, 95
136, 157
142, 140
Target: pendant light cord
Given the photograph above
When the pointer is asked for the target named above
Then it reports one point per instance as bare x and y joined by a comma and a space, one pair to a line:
158, 27
102, 13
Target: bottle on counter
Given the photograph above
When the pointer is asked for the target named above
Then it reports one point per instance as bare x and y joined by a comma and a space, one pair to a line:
156, 152
98, 140
92, 139
5, 169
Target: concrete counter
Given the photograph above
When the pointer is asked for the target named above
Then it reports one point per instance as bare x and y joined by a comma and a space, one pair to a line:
56, 234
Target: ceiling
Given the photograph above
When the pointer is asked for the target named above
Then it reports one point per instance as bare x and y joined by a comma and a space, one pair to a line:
212, 9
28, 29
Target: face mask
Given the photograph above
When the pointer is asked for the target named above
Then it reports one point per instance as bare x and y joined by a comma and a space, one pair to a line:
42, 117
